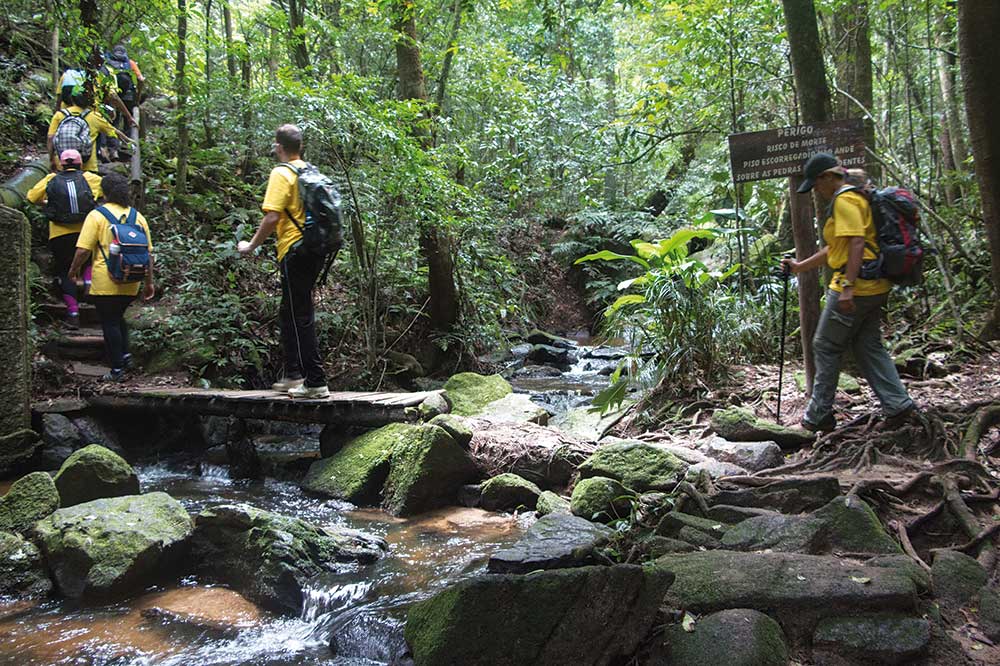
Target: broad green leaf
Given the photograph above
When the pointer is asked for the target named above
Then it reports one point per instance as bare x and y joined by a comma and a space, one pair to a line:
627, 299
608, 255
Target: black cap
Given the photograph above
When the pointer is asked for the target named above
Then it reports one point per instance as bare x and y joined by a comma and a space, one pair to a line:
816, 165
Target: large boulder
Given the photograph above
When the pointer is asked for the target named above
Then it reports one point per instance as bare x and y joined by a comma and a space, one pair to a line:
873, 639
507, 492
741, 425
22, 571
516, 407
545, 456
213, 609
426, 470
95, 472
469, 392
734, 637
956, 577
539, 337
588, 424
674, 522
754, 456
600, 498
556, 541
853, 527
716, 469
357, 471
797, 590
778, 532
456, 426
61, 438
549, 355
549, 503
583, 616
638, 465
786, 495
270, 558
30, 499
17, 449
108, 549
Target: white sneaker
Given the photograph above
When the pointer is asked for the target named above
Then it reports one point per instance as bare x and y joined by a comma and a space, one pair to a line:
285, 383
309, 392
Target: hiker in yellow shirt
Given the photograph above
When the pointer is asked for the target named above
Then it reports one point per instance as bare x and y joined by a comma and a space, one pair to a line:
112, 298
69, 196
98, 125
855, 306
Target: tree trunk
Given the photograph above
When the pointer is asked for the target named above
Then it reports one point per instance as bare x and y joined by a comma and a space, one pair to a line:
89, 16
852, 57
181, 85
953, 147
449, 55
978, 25
809, 73
206, 119
435, 244
227, 22
296, 34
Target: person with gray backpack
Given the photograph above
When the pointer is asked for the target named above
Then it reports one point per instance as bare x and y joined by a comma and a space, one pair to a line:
77, 127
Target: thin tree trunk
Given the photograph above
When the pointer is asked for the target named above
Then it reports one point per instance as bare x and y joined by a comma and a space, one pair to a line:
181, 85
206, 120
296, 34
227, 22
953, 147
852, 57
89, 16
449, 55
978, 25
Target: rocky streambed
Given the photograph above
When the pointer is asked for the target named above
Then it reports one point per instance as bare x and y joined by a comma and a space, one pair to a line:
506, 527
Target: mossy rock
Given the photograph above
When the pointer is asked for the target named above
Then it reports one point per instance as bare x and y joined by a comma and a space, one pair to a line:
673, 522
17, 449
426, 470
30, 499
582, 616
637, 465
22, 570
741, 425
920, 577
734, 637
456, 426
357, 472
434, 405
988, 606
601, 499
853, 527
508, 492
108, 549
95, 472
470, 392
956, 577
874, 639
549, 503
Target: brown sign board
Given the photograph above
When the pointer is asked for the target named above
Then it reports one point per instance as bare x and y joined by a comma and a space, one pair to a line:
780, 152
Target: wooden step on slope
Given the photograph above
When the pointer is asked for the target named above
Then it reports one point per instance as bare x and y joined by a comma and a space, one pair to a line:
56, 313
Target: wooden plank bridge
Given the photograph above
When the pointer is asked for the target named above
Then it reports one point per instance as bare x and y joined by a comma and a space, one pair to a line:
347, 408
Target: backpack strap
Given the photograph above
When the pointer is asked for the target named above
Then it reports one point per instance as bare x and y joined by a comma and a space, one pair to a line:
294, 169
873, 247
111, 221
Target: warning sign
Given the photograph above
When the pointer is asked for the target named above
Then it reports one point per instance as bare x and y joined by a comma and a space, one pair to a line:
776, 153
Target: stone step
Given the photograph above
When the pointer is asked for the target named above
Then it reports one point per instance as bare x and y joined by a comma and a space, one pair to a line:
80, 345
56, 313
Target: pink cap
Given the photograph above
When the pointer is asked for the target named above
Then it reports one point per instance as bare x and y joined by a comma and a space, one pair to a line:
70, 156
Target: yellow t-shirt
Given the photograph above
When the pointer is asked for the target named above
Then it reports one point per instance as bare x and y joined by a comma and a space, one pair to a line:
36, 195
283, 195
98, 125
97, 231
852, 217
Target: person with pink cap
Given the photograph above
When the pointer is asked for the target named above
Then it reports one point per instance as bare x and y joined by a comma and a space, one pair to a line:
68, 196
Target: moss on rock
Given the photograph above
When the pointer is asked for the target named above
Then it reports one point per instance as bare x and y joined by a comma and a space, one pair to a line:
17, 449
456, 426
470, 392
878, 639
734, 637
635, 464
95, 472
600, 499
30, 499
956, 577
549, 502
741, 425
426, 470
853, 527
507, 492
357, 471
22, 571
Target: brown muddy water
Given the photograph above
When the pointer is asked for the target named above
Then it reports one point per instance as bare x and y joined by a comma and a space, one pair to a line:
360, 610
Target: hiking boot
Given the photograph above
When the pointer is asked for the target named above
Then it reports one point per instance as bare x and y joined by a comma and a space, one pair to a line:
826, 424
72, 320
115, 375
309, 392
899, 419
286, 383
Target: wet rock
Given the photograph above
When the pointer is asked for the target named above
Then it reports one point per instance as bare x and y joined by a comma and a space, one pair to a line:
754, 456
542, 455
796, 589
17, 450
108, 549
696, 537
95, 472
606, 353
873, 639
30, 499
724, 513
537, 372
583, 616
515, 407
549, 355
672, 523
521, 350
656, 546
469, 495
357, 472
93, 431
853, 527
601, 499
456, 426
734, 637
956, 577
778, 532
241, 453
904, 563
22, 571
215, 430
269, 558
637, 465
60, 439
508, 492
539, 337
426, 470
434, 405
469, 392
586, 425
215, 609
550, 503
716, 469
741, 425
786, 496
556, 541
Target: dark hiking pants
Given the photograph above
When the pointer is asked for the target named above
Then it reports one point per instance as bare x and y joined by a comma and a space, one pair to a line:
299, 271
111, 311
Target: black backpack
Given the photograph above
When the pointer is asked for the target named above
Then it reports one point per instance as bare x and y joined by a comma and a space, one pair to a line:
68, 197
322, 229
900, 252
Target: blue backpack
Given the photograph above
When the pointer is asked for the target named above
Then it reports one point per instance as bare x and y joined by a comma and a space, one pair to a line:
128, 257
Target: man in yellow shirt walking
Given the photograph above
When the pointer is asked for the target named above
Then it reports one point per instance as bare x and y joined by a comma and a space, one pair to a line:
855, 305
284, 213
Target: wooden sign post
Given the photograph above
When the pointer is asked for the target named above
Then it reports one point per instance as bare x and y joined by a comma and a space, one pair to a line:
779, 153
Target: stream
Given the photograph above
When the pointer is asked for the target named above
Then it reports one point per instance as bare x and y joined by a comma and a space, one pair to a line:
353, 616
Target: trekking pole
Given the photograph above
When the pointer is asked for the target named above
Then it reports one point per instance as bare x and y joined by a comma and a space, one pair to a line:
785, 275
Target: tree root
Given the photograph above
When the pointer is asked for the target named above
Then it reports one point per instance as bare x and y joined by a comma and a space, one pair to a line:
963, 515
904, 541
692, 492
983, 419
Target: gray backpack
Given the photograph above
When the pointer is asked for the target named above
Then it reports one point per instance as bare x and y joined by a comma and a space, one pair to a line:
73, 133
